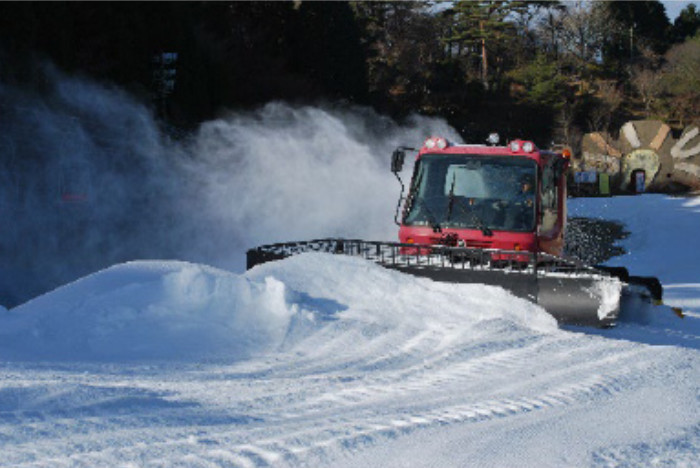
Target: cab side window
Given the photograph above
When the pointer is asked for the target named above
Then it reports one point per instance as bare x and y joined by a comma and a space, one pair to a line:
550, 198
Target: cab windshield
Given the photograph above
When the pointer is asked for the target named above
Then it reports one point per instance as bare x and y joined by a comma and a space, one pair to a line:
473, 192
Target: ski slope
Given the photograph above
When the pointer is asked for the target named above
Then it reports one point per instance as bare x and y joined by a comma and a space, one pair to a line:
322, 360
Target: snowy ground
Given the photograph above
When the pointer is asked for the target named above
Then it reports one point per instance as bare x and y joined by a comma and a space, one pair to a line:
321, 360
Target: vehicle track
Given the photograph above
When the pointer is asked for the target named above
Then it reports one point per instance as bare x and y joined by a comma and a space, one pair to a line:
204, 418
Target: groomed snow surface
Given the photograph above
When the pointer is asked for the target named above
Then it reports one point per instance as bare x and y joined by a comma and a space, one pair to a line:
322, 360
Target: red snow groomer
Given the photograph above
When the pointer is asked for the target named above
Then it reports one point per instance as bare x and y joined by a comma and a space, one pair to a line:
509, 198
494, 215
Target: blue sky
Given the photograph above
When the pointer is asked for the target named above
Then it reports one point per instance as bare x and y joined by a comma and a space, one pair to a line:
674, 7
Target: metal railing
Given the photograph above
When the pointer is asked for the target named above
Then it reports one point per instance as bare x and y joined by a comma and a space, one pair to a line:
394, 254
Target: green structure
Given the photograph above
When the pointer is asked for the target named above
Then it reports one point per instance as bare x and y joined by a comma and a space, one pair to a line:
604, 184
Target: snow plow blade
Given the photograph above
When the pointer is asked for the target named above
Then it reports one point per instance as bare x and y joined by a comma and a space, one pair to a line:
572, 293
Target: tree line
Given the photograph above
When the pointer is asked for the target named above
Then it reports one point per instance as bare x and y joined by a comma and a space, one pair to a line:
545, 70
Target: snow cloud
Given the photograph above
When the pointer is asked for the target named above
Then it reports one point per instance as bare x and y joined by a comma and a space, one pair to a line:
90, 180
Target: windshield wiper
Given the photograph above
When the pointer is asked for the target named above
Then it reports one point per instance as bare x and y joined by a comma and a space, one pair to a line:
451, 196
470, 212
485, 230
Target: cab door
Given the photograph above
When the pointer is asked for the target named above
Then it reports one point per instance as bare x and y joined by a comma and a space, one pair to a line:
552, 210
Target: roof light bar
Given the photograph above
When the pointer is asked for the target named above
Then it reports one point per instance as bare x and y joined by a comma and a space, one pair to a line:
436, 142
517, 146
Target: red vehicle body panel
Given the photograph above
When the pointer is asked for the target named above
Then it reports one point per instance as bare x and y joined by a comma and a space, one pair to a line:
551, 241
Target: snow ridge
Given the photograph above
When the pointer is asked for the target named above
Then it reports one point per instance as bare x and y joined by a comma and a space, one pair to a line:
323, 360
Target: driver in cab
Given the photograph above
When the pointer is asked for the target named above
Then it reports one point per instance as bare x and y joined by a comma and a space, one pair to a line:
520, 209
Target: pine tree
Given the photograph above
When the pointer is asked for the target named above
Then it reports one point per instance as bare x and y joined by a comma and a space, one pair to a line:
480, 26
687, 24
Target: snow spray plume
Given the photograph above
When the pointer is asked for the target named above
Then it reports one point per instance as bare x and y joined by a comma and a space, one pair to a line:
285, 173
83, 179
88, 180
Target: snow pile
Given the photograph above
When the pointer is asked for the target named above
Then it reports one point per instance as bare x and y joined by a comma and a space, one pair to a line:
324, 360
394, 299
149, 310
182, 311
